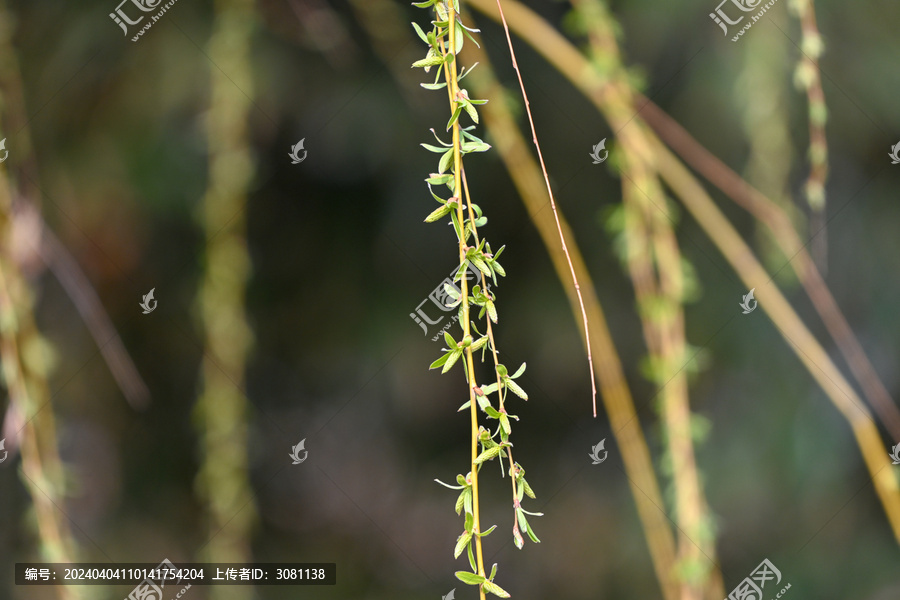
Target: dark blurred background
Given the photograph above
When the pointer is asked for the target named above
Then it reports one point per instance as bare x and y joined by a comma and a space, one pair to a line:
340, 258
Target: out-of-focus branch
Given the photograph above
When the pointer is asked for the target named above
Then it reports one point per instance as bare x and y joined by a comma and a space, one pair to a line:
569, 62
656, 267
809, 77
221, 411
87, 303
779, 223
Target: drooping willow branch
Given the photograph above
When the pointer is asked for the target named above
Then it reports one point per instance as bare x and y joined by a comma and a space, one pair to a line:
444, 42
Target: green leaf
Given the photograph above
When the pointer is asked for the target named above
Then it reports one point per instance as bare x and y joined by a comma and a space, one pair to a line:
454, 117
435, 149
520, 516
425, 4
493, 572
451, 360
470, 578
471, 558
421, 33
466, 71
461, 542
473, 114
446, 161
470, 523
461, 480
518, 372
452, 487
438, 213
493, 588
464, 406
487, 533
459, 39
514, 387
531, 534
492, 412
430, 60
492, 310
501, 371
434, 86
450, 341
528, 491
461, 500
504, 423
440, 361
480, 341
436, 179
489, 389
487, 455
479, 146
468, 35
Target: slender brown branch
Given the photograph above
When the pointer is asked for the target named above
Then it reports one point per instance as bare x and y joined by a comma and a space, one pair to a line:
562, 239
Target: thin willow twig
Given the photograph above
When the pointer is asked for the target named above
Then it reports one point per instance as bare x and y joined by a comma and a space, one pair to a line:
562, 239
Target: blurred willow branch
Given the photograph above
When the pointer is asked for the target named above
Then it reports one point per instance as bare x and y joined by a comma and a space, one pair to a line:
221, 411
657, 270
26, 360
809, 77
575, 67
33, 236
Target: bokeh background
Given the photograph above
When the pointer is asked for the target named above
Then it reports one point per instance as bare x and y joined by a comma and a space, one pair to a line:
339, 257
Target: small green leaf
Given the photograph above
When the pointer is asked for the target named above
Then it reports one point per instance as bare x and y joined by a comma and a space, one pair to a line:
518, 372
421, 33
471, 558
514, 387
461, 500
489, 389
451, 343
454, 117
479, 342
487, 533
470, 523
425, 4
492, 311
451, 360
528, 491
487, 455
493, 572
452, 487
492, 412
433, 86
438, 213
493, 588
464, 406
440, 361
470, 578
502, 371
504, 423
461, 543
446, 161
